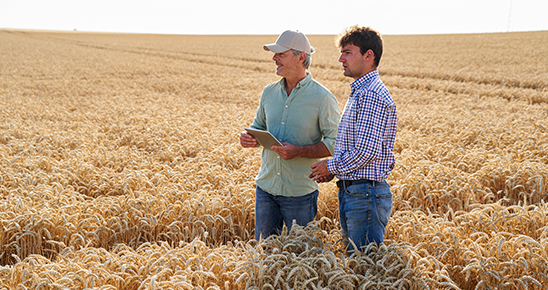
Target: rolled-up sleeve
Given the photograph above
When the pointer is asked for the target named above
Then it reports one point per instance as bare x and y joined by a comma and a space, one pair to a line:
259, 122
329, 122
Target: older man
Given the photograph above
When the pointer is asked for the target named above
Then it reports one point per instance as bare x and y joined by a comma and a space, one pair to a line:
304, 116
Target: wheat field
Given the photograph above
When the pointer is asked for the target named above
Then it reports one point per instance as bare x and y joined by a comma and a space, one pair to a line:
120, 165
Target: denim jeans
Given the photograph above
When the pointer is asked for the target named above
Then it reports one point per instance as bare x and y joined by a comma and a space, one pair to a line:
364, 210
271, 211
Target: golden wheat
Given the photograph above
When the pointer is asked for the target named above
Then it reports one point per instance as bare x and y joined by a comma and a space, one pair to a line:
121, 169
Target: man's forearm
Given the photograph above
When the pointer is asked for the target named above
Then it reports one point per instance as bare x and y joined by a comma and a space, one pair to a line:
289, 151
318, 150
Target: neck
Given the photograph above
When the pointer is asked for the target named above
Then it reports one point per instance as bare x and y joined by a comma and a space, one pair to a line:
368, 71
291, 82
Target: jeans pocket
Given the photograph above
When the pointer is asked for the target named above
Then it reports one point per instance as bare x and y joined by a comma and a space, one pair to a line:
384, 207
358, 190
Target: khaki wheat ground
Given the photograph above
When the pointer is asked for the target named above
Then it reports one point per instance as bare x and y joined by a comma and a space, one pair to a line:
120, 166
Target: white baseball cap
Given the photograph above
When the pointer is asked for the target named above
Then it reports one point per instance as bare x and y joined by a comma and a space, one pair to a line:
290, 39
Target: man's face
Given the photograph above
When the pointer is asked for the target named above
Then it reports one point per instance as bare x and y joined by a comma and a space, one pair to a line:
353, 61
287, 63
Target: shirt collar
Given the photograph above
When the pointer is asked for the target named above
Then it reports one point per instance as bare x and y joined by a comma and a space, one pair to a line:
364, 80
302, 82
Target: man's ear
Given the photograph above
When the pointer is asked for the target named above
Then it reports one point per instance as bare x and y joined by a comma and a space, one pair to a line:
302, 57
369, 58
369, 55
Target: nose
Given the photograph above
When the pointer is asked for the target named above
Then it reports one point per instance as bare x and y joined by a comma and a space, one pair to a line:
341, 58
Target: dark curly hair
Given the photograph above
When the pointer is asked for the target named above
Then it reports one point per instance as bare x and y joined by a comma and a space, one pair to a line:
365, 38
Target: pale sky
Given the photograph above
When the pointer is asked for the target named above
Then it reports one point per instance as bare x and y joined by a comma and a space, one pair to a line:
273, 17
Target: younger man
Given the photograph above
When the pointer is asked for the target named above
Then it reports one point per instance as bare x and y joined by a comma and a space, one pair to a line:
363, 152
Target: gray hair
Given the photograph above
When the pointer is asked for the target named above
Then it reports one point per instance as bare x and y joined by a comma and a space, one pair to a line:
307, 59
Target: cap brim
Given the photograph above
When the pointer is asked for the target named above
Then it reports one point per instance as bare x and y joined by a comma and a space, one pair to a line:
275, 48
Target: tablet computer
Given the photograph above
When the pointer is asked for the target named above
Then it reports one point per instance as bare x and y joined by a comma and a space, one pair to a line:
264, 138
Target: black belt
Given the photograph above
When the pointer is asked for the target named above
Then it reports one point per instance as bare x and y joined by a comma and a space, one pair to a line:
347, 183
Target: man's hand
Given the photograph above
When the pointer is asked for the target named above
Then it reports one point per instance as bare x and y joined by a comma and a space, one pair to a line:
320, 179
287, 151
248, 141
320, 172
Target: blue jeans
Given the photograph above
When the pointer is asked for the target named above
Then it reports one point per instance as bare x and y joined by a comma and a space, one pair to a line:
364, 210
271, 211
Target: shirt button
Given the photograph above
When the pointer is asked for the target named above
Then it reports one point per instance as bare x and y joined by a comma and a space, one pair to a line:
283, 123
286, 106
278, 173
278, 157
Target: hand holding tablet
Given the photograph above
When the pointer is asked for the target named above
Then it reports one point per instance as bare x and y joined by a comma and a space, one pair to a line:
265, 138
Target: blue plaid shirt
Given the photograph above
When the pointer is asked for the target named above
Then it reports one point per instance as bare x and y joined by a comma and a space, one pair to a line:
366, 132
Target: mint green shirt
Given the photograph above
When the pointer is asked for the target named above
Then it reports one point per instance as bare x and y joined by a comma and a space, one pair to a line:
308, 116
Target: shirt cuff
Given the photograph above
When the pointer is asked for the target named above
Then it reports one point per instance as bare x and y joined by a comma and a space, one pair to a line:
331, 166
